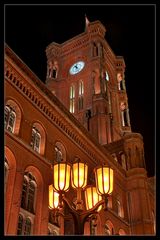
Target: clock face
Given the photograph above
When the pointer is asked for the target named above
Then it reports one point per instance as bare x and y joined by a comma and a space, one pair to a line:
76, 67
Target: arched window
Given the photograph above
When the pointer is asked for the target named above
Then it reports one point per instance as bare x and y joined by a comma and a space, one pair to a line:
27, 227
31, 195
60, 152
121, 232
24, 193
28, 192
20, 225
81, 93
10, 118
109, 230
119, 207
120, 81
54, 73
72, 99
36, 139
124, 114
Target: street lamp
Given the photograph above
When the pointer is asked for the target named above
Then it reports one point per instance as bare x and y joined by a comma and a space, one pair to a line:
95, 197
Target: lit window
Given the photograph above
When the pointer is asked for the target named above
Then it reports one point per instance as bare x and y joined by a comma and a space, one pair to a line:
27, 227
107, 76
10, 118
120, 81
20, 225
124, 114
81, 92
72, 99
36, 139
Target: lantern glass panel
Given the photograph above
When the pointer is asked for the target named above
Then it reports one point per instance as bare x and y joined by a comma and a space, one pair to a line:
79, 175
53, 197
92, 198
61, 176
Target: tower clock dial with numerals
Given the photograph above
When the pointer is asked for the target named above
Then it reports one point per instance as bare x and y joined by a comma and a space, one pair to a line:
76, 67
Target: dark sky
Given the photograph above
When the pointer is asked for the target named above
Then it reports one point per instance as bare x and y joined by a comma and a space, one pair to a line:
29, 29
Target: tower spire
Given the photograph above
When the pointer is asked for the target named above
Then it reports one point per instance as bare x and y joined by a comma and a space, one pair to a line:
86, 22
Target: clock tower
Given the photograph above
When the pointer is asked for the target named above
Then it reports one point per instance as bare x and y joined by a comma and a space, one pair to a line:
89, 79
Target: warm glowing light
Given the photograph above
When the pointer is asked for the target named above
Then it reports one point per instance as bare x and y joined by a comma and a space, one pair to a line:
61, 176
53, 197
79, 175
92, 198
104, 180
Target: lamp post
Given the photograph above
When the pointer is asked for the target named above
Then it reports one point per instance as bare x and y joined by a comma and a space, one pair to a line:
95, 197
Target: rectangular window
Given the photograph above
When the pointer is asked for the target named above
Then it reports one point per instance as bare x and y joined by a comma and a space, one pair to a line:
72, 99
80, 98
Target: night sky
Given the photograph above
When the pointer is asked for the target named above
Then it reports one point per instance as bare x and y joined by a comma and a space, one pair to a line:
29, 29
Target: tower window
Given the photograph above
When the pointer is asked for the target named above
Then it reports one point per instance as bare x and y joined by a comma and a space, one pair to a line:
95, 50
106, 80
54, 73
107, 76
52, 69
81, 93
120, 81
36, 139
10, 118
72, 99
124, 115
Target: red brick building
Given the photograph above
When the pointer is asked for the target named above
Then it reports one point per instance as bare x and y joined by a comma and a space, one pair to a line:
80, 112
